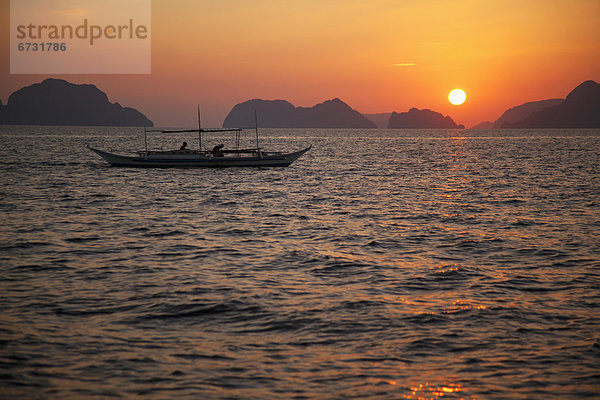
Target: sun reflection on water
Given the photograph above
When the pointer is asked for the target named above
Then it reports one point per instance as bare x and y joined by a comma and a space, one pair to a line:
431, 392
459, 305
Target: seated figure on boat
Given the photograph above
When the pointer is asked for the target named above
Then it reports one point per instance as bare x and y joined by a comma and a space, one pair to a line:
183, 146
217, 151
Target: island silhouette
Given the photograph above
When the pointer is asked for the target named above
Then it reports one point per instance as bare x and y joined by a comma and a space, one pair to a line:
58, 102
283, 114
421, 119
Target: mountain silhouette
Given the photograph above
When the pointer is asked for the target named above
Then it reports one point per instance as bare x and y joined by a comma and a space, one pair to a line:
421, 119
524, 110
282, 114
581, 109
58, 102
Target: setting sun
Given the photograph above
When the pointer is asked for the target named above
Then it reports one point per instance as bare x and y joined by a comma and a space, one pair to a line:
457, 97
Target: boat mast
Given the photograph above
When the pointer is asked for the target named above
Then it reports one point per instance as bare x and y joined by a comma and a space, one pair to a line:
145, 144
256, 128
199, 131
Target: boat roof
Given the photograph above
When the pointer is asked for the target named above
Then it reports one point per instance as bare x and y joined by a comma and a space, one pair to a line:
196, 130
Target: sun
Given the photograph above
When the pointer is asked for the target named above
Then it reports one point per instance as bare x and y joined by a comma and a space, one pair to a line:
457, 97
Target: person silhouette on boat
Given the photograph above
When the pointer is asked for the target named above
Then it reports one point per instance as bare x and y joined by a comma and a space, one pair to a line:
217, 151
183, 146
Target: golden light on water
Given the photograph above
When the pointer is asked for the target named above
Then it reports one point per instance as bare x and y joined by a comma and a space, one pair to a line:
427, 391
460, 305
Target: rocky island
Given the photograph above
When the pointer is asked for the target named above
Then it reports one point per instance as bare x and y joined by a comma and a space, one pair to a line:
421, 119
58, 102
282, 114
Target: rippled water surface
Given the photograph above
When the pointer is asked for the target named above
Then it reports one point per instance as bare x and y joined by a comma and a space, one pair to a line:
382, 264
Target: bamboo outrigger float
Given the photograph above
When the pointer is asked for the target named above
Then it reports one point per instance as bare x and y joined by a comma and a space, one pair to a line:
253, 157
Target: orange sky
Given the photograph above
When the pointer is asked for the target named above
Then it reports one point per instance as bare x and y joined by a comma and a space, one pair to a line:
219, 53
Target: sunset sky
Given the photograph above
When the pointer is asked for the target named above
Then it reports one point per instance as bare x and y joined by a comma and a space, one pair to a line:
377, 56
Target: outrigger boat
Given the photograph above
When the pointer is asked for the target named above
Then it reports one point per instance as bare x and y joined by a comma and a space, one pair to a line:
253, 157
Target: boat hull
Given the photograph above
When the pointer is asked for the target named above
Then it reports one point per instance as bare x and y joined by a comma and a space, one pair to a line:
198, 160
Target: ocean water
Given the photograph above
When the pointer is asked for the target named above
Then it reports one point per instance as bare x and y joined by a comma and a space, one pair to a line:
380, 265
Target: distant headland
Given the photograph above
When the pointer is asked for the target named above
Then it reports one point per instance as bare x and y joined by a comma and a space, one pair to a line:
58, 102
282, 114
581, 109
524, 110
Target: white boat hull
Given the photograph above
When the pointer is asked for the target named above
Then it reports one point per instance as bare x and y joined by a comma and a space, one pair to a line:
169, 159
